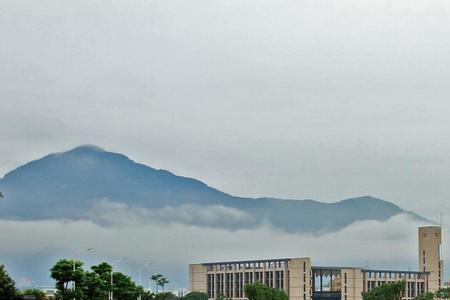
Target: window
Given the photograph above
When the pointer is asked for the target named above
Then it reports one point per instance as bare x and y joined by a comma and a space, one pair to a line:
210, 288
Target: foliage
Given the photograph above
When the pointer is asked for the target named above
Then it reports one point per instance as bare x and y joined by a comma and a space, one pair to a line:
156, 279
64, 274
222, 297
98, 282
38, 294
260, 291
165, 296
94, 284
7, 285
425, 296
159, 280
388, 291
196, 296
146, 295
124, 288
443, 293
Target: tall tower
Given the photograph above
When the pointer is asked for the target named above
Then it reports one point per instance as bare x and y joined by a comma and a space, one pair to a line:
430, 256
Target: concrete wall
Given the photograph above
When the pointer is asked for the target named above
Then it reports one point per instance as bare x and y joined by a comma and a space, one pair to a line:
430, 260
197, 278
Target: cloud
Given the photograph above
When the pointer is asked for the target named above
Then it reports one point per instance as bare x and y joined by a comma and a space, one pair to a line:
116, 213
172, 246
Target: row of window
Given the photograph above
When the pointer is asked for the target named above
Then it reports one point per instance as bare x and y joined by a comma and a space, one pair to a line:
249, 265
395, 275
232, 285
412, 289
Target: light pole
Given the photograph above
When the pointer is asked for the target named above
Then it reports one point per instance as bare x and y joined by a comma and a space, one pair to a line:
74, 267
140, 275
111, 293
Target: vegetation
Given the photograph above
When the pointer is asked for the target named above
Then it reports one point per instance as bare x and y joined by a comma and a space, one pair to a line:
165, 296
94, 284
388, 291
159, 280
196, 296
38, 294
260, 291
425, 296
7, 285
443, 293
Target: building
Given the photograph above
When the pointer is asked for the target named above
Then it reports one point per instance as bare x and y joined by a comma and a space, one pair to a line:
303, 281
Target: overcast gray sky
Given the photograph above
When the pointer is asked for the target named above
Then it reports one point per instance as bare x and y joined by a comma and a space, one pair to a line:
298, 99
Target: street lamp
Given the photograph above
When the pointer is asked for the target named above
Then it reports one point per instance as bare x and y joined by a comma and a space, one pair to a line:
143, 265
74, 267
111, 293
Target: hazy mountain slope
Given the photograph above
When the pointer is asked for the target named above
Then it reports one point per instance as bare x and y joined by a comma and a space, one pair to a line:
65, 185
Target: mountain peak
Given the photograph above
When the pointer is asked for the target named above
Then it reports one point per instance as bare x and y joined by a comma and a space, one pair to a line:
86, 148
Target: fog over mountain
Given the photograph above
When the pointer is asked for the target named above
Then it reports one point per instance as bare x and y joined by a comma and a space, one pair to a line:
90, 183
88, 197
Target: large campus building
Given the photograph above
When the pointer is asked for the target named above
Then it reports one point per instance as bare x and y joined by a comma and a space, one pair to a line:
303, 281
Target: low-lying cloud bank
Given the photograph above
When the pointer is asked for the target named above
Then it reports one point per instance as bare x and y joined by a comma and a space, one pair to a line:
29, 247
217, 216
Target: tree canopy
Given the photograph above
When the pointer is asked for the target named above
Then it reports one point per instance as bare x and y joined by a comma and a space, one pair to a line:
260, 291
7, 285
94, 284
388, 291
196, 296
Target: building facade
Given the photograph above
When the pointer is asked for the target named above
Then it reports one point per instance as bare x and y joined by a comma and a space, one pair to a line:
303, 281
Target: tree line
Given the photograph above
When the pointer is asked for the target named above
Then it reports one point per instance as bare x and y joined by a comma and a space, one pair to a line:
395, 291
73, 282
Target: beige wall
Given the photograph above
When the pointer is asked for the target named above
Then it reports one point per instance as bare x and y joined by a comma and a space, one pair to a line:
197, 278
430, 243
354, 283
299, 279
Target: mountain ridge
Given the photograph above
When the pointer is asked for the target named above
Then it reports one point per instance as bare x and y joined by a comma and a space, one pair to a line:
67, 184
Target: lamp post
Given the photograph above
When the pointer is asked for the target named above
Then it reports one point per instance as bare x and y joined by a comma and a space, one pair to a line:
111, 293
143, 265
74, 266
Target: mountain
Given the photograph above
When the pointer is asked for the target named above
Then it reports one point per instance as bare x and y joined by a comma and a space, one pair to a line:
73, 184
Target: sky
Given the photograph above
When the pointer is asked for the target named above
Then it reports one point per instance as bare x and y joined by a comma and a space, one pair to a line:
295, 99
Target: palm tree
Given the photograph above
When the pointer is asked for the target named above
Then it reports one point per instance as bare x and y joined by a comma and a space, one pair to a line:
162, 282
156, 278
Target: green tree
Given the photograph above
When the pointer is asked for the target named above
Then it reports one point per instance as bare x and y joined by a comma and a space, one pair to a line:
196, 296
165, 296
222, 297
162, 282
388, 291
124, 288
156, 278
425, 296
7, 285
98, 282
38, 294
260, 291
147, 295
64, 274
443, 293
